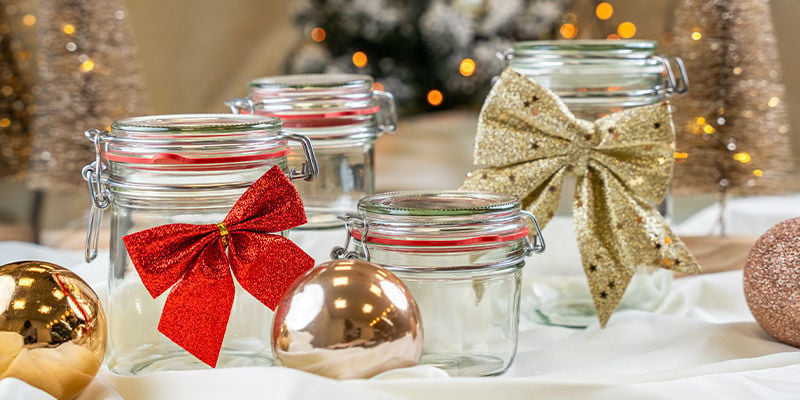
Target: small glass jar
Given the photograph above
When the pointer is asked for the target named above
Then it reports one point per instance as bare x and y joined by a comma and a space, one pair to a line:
461, 254
158, 170
343, 116
593, 78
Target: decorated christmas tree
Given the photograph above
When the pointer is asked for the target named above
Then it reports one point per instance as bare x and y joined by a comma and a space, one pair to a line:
732, 127
15, 100
429, 54
87, 63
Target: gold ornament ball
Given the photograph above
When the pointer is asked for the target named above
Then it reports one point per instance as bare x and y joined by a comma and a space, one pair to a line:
52, 328
772, 281
347, 319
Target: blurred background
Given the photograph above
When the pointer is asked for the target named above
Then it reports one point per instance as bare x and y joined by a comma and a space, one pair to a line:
72, 66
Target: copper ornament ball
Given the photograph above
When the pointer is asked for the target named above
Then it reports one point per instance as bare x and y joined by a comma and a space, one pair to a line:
347, 319
52, 328
772, 281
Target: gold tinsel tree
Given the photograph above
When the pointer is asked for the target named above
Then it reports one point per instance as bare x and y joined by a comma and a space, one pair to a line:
732, 127
88, 75
15, 99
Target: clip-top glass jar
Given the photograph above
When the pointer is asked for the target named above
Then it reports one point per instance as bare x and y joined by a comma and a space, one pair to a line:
166, 169
461, 254
343, 116
593, 78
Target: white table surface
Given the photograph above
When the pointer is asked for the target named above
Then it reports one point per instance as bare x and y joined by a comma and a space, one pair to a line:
701, 343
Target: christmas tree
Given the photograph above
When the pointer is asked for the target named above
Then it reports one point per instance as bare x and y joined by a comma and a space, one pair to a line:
732, 127
89, 76
15, 100
429, 54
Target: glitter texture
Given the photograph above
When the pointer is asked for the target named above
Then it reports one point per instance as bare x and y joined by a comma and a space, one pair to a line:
192, 260
772, 281
528, 141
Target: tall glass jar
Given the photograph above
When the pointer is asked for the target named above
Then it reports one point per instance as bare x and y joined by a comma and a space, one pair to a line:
166, 169
593, 78
343, 116
461, 254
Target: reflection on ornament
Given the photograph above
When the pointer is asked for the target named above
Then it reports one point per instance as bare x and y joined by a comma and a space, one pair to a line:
772, 281
52, 328
347, 319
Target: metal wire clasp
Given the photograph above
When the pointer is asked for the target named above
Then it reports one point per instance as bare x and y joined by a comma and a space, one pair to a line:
342, 252
675, 86
95, 176
537, 244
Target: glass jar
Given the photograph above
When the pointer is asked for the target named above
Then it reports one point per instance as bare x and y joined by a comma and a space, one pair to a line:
593, 78
343, 116
461, 254
158, 170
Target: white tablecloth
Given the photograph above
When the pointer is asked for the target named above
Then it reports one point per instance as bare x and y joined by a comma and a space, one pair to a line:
701, 343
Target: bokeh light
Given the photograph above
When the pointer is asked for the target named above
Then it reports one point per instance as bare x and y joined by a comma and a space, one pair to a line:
360, 59
435, 97
626, 30
318, 34
568, 31
604, 11
467, 67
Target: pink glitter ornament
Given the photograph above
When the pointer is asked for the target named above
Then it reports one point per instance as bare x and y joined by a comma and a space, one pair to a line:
772, 281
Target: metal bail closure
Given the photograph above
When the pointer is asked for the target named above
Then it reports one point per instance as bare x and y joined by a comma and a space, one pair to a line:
537, 245
673, 85
342, 252
309, 169
101, 197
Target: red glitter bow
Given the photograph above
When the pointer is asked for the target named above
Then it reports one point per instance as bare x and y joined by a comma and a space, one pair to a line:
194, 259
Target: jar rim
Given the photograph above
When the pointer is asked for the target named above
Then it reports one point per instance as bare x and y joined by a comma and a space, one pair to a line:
305, 82
438, 203
216, 123
588, 47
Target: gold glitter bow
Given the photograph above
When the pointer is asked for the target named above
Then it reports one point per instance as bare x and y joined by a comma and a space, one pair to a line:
528, 141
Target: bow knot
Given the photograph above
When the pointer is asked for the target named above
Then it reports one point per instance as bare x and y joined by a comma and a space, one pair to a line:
528, 141
196, 261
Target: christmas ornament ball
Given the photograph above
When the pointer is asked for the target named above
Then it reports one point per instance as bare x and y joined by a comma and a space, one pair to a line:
772, 281
52, 328
347, 319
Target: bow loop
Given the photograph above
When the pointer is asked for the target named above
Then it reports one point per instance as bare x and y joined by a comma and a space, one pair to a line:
196, 262
528, 140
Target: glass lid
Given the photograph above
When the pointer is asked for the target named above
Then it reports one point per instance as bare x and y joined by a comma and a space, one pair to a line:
588, 48
441, 203
305, 83
218, 123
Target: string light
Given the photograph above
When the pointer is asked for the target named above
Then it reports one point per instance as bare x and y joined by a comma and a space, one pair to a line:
377, 86
742, 157
680, 156
696, 35
701, 120
773, 102
5, 123
29, 20
626, 30
360, 59
708, 129
69, 29
87, 65
318, 34
467, 67
568, 31
759, 173
435, 97
604, 11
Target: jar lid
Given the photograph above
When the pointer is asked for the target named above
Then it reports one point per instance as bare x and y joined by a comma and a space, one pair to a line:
441, 203
195, 139
439, 219
598, 72
322, 102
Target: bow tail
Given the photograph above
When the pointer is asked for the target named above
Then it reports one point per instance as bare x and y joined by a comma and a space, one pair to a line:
537, 183
622, 234
266, 265
197, 309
